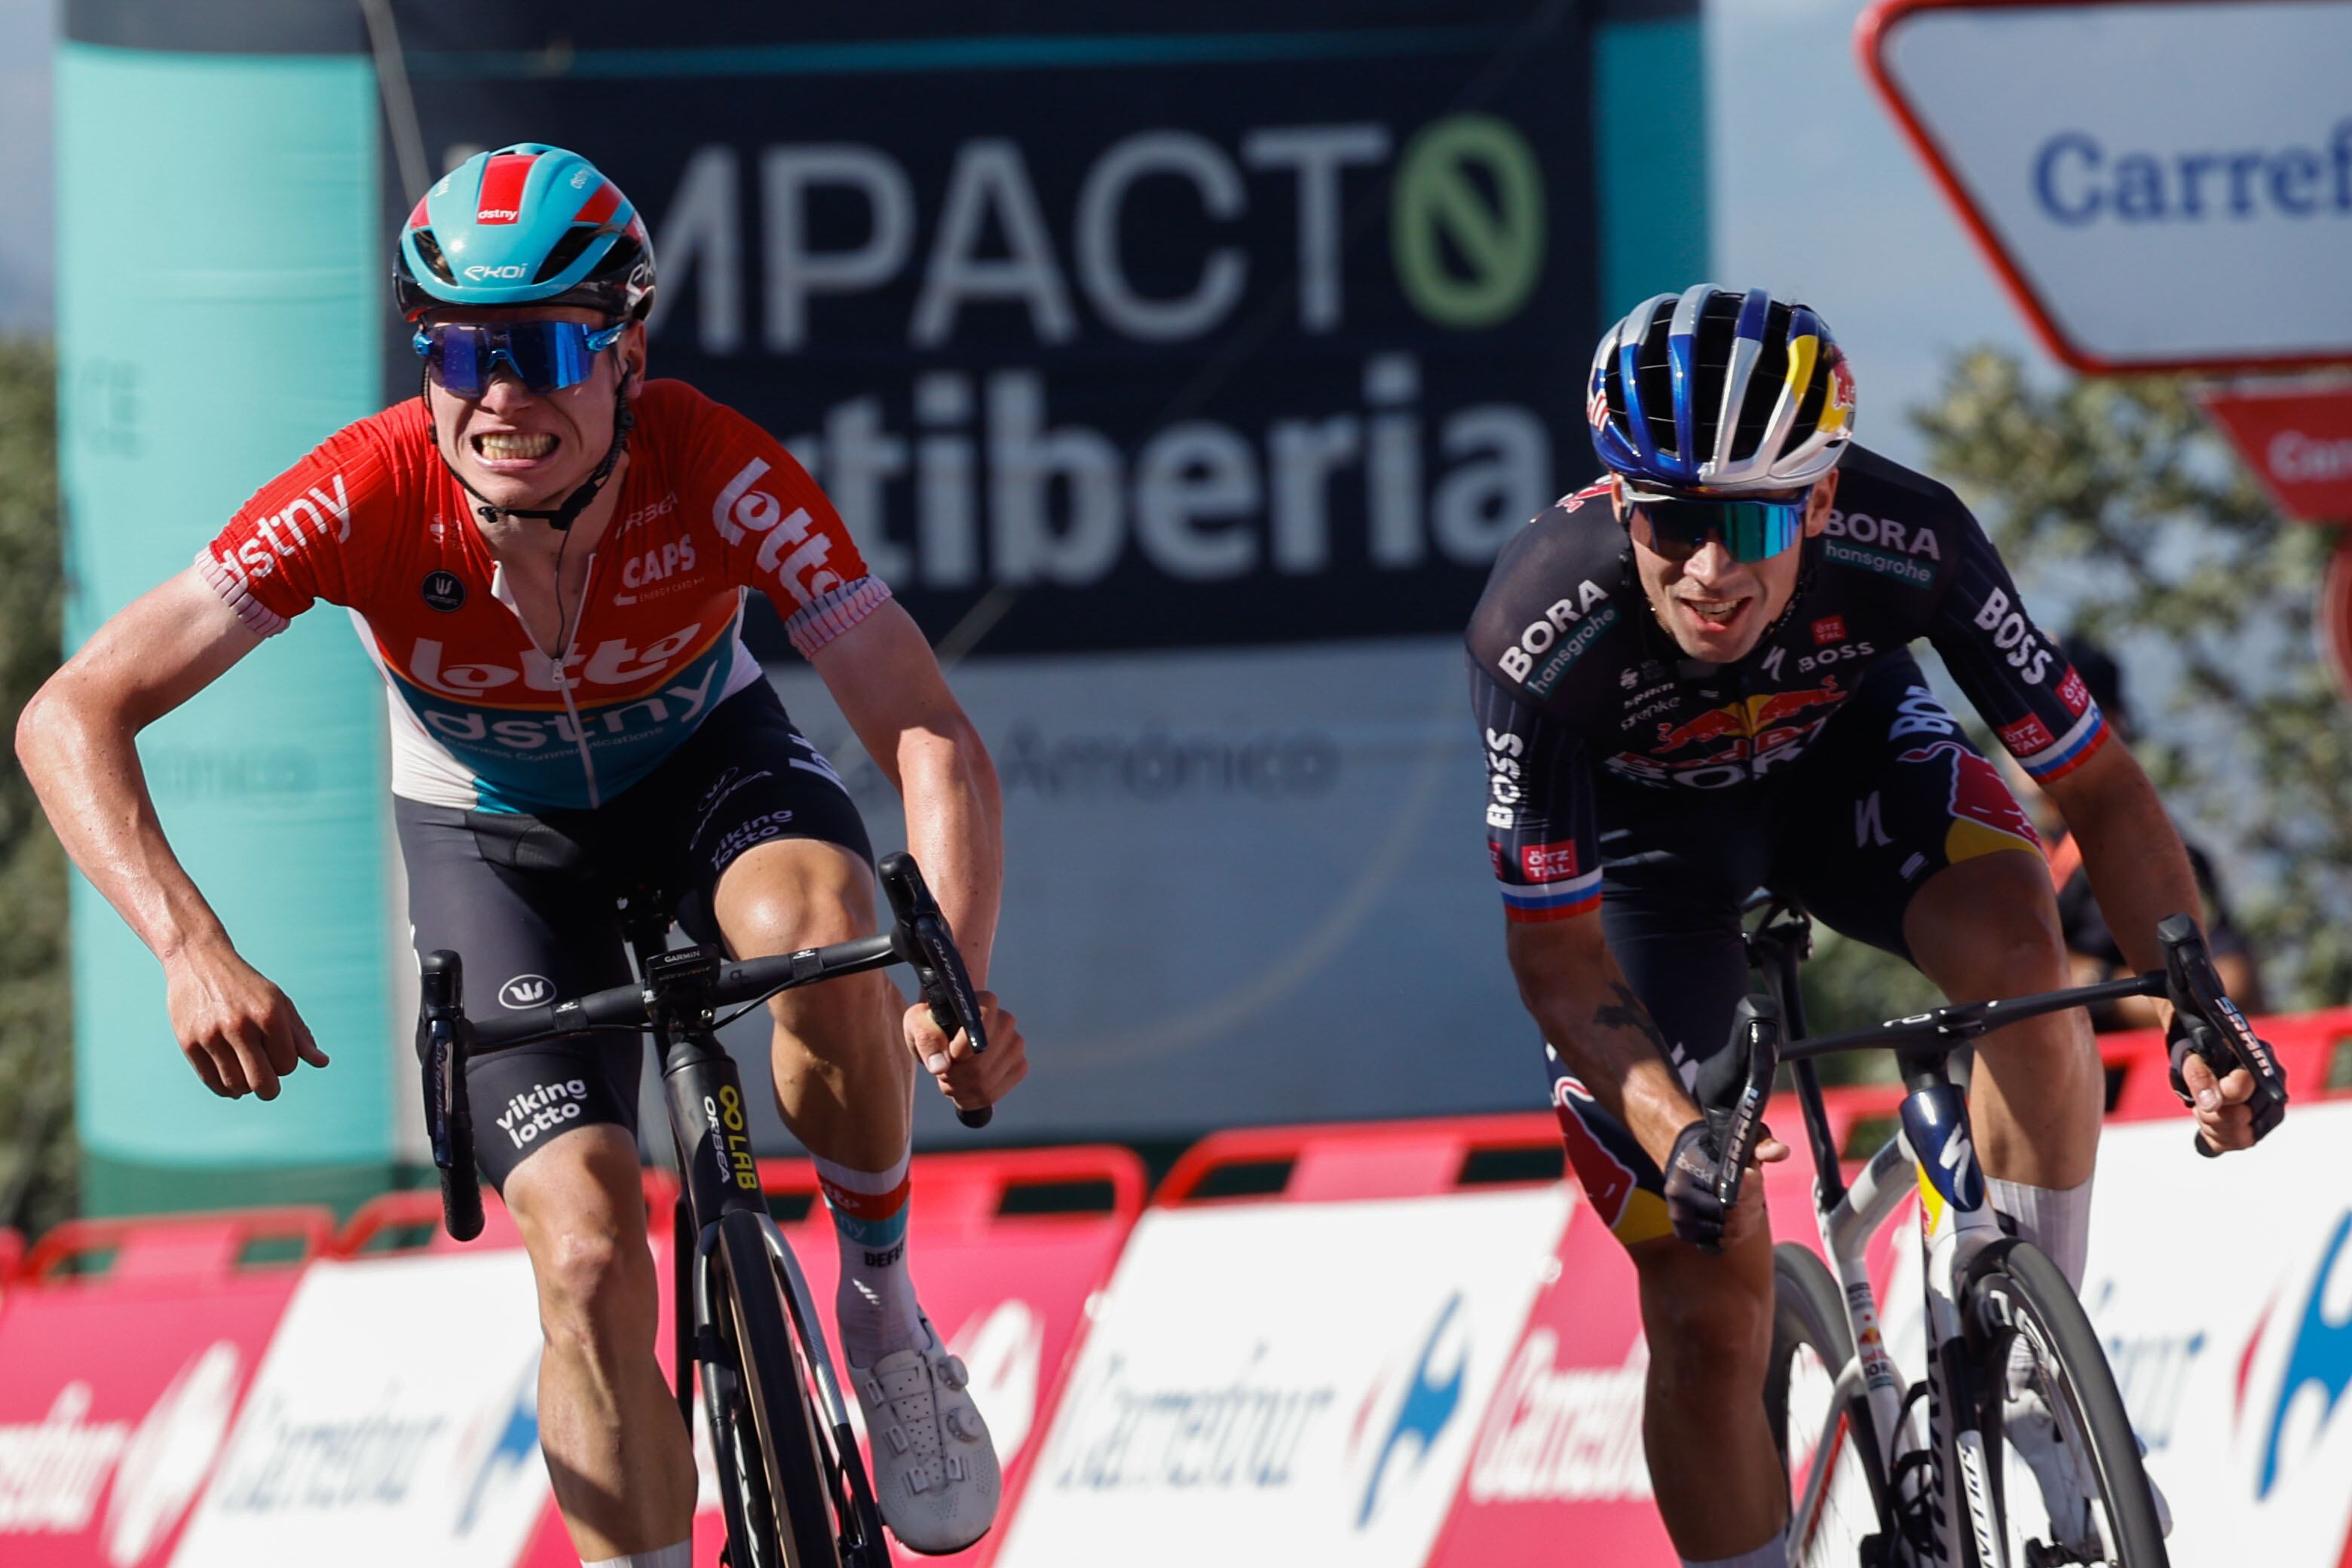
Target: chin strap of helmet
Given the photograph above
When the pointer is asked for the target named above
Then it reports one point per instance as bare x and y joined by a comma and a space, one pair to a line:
563, 514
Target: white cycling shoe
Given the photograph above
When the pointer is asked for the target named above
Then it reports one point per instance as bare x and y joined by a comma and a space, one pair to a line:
2058, 1467
936, 1478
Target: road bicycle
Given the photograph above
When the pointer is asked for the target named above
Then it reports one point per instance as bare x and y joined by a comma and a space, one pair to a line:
1882, 1473
792, 1484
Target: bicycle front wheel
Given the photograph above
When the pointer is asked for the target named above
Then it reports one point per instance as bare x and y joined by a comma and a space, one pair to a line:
1815, 1399
772, 1470
2070, 1486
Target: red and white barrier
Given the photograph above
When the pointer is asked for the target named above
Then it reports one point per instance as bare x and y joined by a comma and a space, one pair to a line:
117, 1389
1383, 1359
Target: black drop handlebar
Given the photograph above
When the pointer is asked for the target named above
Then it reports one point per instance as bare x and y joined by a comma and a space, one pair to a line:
2188, 978
688, 985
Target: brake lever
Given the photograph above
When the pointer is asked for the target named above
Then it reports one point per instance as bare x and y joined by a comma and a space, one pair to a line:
2193, 986
448, 1110
923, 938
1756, 1033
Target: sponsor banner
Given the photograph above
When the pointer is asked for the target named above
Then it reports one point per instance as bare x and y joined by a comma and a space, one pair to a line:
395, 1421
2161, 185
115, 1404
1302, 1380
1558, 1454
2223, 1292
1267, 329
2297, 439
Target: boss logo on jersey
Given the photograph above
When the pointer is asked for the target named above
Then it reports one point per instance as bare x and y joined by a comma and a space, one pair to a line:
1828, 629
2028, 734
1567, 629
740, 512
2013, 636
1834, 654
442, 591
1920, 714
1548, 862
1503, 792
283, 532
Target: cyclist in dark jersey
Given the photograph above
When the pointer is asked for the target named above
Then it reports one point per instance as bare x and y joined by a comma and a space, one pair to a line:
1692, 679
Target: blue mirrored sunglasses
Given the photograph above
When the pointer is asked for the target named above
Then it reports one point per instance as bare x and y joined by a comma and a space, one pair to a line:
1748, 530
545, 356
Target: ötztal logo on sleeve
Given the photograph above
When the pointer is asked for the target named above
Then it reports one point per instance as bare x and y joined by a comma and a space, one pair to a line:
1548, 862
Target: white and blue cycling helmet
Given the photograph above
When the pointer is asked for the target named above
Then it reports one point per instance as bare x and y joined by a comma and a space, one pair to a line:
1714, 392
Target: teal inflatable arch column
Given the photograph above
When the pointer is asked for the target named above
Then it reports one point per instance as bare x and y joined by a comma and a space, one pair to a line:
220, 311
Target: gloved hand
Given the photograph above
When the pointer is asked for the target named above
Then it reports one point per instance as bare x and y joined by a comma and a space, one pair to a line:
2223, 1118
1693, 1173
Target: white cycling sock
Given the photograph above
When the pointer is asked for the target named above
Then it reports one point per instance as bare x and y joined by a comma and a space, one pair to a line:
2056, 1220
876, 1303
678, 1556
1772, 1554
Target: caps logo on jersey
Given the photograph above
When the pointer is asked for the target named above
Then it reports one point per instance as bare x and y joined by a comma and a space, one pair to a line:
1828, 629
442, 591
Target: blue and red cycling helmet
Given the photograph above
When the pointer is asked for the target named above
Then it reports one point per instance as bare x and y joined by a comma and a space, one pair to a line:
1717, 393
527, 225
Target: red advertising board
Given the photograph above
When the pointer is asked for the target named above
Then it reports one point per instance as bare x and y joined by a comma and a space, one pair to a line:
1559, 1455
2297, 438
117, 1393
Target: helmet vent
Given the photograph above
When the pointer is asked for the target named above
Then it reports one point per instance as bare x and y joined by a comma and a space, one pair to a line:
429, 249
565, 251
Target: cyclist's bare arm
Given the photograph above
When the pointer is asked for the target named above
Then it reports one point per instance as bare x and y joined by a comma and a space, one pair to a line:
76, 740
1573, 987
2140, 873
885, 681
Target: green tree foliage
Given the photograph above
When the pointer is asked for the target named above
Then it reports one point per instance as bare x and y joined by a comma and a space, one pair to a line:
2114, 499
36, 1173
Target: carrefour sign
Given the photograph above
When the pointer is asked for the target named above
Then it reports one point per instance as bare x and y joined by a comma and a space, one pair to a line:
2161, 185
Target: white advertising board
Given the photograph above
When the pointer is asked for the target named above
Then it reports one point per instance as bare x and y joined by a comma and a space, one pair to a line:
393, 1421
2222, 1290
2161, 185
1287, 1383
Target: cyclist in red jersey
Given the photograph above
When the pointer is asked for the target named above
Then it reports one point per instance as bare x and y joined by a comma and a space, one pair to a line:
546, 555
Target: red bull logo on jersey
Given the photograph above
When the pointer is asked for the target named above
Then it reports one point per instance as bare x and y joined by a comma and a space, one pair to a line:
1760, 717
1986, 819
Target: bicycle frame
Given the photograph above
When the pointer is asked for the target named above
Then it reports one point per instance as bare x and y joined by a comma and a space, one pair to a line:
711, 1136
1957, 1222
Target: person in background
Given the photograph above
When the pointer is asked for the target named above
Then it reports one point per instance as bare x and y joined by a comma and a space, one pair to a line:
2089, 944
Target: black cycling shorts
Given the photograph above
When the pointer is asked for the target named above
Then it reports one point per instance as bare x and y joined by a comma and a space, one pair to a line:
528, 902
1891, 794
